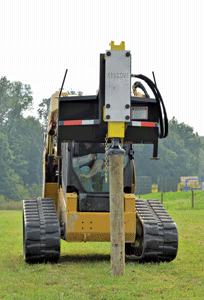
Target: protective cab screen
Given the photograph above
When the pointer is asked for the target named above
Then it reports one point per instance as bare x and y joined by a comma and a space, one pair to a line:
90, 166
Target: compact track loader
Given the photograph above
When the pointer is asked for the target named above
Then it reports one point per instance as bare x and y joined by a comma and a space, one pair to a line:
75, 203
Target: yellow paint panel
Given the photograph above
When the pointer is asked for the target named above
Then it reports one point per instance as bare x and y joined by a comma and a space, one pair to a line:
51, 191
85, 226
117, 47
55, 101
116, 129
71, 202
129, 202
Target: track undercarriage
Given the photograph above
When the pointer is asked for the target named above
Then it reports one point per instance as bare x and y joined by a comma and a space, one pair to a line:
156, 233
41, 231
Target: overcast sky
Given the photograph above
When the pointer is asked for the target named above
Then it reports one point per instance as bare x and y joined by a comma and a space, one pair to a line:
40, 39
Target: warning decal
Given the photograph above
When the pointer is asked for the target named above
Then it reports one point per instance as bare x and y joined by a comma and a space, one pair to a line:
139, 113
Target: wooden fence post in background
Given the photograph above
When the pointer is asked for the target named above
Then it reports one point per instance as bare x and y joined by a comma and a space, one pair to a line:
162, 198
192, 198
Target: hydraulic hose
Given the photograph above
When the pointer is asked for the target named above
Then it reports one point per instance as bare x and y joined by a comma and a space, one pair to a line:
138, 84
163, 129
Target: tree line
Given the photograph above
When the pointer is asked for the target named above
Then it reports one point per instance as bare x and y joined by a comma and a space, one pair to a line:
180, 154
21, 146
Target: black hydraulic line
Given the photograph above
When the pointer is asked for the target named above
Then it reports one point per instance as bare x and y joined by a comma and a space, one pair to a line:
63, 83
138, 84
154, 90
164, 110
156, 96
59, 144
154, 79
160, 102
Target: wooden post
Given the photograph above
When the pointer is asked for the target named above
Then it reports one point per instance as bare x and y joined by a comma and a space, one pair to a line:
162, 198
192, 198
117, 227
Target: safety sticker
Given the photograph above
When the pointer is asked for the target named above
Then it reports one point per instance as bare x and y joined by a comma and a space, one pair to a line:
139, 113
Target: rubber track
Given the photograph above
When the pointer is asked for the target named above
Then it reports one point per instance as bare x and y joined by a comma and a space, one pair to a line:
41, 238
160, 235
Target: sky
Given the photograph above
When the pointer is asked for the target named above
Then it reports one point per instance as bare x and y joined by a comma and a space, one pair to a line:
40, 39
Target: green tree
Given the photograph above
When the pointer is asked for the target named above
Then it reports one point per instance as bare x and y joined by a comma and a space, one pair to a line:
15, 99
21, 142
43, 112
179, 154
9, 180
27, 146
201, 168
44, 106
191, 140
4, 100
71, 92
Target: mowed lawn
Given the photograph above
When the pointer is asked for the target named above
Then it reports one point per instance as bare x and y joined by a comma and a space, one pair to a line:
83, 271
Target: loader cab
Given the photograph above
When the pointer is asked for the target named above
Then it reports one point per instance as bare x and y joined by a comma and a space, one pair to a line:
88, 160
84, 168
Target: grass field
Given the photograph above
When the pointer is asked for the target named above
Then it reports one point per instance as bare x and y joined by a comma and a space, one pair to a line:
83, 271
